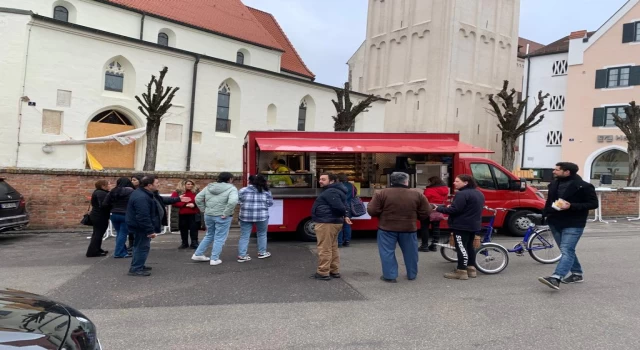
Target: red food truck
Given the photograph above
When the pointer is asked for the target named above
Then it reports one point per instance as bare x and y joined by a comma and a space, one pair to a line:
292, 161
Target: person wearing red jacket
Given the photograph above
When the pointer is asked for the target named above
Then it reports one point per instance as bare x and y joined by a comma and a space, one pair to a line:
189, 214
437, 192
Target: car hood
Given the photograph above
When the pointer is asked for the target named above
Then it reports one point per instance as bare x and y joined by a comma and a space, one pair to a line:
31, 319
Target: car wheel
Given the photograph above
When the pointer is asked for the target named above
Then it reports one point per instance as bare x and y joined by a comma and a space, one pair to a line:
306, 230
518, 223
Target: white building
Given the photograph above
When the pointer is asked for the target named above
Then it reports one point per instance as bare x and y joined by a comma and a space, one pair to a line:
545, 70
72, 68
437, 61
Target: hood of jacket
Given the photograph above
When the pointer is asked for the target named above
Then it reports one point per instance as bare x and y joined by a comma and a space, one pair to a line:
217, 188
338, 186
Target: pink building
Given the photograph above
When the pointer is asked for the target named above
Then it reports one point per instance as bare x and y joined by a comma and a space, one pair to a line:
604, 70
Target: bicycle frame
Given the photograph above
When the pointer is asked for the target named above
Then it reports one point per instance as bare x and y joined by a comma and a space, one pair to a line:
523, 244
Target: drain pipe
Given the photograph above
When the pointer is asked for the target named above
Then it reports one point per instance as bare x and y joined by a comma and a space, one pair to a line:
142, 26
192, 112
23, 97
524, 135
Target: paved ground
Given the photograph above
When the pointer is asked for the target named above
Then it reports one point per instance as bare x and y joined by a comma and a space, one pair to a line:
271, 304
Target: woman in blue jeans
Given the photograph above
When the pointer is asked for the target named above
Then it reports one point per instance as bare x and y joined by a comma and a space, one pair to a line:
117, 200
217, 201
255, 201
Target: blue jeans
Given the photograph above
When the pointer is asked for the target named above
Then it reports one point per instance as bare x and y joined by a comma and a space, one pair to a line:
345, 234
408, 242
245, 233
217, 232
141, 248
119, 224
567, 238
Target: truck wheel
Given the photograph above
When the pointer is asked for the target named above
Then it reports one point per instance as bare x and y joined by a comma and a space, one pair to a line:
306, 230
517, 223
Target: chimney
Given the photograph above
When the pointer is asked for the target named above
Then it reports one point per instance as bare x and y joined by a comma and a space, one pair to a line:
580, 34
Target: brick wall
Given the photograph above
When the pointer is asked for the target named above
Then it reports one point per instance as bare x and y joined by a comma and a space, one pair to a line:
57, 199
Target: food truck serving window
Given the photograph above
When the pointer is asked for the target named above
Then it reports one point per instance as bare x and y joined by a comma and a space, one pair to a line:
366, 146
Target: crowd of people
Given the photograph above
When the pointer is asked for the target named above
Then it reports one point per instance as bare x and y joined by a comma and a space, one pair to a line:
138, 212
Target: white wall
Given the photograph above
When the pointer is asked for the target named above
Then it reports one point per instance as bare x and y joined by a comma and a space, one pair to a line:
536, 152
127, 23
69, 59
14, 37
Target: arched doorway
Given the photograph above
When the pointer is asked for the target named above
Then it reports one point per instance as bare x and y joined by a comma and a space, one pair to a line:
111, 155
612, 162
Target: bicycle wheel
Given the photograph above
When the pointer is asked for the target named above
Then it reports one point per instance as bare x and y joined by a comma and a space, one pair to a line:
491, 258
448, 253
543, 248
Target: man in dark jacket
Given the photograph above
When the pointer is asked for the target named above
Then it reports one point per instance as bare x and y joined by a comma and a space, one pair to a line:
144, 220
328, 213
465, 220
567, 208
398, 209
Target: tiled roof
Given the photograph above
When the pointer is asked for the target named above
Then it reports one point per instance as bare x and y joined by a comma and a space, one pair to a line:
522, 46
558, 46
227, 17
291, 61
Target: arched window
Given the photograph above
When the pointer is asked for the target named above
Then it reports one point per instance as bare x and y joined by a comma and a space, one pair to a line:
240, 58
114, 77
163, 39
613, 162
61, 13
223, 123
302, 115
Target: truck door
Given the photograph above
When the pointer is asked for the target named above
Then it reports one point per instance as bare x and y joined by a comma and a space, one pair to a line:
494, 184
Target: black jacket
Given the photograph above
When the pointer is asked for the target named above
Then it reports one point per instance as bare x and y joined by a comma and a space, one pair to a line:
143, 213
329, 207
117, 200
582, 197
166, 201
98, 210
465, 211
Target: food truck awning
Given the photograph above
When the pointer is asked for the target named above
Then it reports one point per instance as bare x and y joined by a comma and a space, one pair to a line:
366, 146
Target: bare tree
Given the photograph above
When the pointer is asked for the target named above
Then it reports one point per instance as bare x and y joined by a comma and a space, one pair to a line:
346, 112
154, 107
630, 126
509, 112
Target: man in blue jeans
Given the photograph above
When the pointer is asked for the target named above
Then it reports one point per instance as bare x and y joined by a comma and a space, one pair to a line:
398, 209
344, 236
567, 208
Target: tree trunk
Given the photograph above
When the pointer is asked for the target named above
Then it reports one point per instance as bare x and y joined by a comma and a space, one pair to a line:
634, 171
153, 129
508, 152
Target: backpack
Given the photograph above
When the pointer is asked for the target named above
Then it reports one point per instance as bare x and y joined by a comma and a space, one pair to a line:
357, 207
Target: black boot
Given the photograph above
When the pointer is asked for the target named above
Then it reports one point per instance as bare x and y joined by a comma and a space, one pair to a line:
424, 248
184, 245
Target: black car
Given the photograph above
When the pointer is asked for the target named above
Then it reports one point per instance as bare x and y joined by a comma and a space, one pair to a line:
13, 211
32, 321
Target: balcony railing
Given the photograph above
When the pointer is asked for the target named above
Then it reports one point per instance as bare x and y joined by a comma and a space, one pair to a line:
223, 125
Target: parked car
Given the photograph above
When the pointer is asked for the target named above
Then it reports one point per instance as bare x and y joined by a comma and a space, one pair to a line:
35, 322
13, 210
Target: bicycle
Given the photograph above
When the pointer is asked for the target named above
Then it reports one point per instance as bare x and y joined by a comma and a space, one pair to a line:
537, 239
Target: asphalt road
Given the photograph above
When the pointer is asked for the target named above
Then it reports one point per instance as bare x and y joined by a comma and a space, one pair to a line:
272, 304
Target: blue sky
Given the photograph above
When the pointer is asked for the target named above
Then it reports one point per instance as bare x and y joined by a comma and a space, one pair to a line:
327, 32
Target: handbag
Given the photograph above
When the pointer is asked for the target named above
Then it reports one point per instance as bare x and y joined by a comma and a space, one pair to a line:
436, 216
86, 219
357, 206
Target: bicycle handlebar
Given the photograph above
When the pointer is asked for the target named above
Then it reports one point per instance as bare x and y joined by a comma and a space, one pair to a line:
495, 210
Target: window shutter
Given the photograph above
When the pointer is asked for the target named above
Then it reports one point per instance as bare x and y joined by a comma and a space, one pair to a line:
598, 116
628, 32
601, 79
634, 78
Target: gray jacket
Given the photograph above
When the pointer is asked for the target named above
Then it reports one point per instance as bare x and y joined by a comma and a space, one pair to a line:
218, 199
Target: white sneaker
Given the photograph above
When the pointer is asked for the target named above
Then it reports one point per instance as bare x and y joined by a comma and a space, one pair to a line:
264, 255
215, 262
199, 258
245, 258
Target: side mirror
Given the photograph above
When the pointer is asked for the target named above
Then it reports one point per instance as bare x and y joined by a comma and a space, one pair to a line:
518, 185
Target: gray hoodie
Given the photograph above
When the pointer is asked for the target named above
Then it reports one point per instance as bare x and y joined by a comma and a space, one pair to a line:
218, 199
